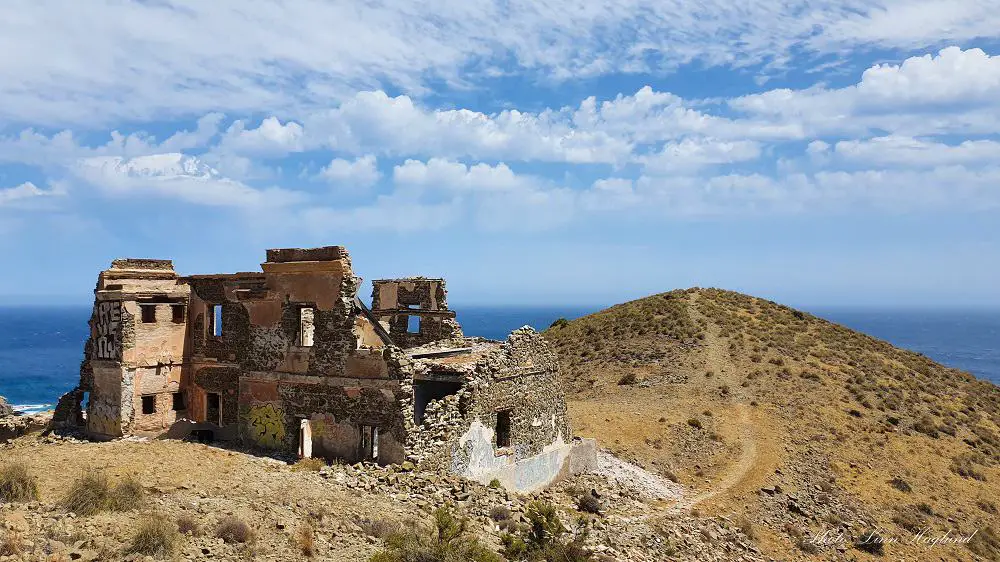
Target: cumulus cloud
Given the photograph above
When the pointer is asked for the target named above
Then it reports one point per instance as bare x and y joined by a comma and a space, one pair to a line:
25, 191
271, 138
920, 153
694, 153
176, 176
360, 172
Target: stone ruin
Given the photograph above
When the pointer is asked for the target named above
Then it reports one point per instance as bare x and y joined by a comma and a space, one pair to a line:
290, 360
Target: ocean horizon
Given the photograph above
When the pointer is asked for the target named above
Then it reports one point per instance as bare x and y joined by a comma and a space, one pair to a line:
41, 347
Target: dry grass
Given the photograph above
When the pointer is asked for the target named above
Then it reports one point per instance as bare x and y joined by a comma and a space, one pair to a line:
17, 484
309, 464
155, 535
305, 538
92, 493
233, 530
11, 543
188, 525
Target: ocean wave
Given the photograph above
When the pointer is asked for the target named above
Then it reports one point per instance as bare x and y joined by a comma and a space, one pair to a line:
31, 408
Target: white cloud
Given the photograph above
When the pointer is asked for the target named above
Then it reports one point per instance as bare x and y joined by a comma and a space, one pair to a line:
375, 122
104, 61
438, 173
360, 172
177, 176
25, 191
919, 153
271, 138
922, 95
386, 213
694, 153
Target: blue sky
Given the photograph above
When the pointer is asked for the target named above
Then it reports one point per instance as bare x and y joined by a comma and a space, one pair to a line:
812, 152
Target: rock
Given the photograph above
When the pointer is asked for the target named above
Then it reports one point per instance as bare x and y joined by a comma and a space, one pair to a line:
5, 408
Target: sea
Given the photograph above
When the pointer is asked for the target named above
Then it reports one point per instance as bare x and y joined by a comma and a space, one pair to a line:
41, 347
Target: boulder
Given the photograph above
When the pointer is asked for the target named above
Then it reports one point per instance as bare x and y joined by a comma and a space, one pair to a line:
5, 408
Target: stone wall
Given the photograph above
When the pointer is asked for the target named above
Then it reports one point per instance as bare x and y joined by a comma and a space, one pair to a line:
520, 379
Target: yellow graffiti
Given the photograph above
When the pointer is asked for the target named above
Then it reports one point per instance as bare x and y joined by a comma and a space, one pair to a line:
267, 426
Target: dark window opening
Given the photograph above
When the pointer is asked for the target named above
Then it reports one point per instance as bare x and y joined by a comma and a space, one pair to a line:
148, 313
307, 326
369, 442
178, 313
179, 401
413, 324
426, 391
216, 320
503, 428
149, 404
213, 408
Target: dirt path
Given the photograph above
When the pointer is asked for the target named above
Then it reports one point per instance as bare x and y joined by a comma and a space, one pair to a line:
735, 476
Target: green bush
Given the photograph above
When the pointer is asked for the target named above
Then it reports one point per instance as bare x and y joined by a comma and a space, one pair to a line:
559, 323
17, 484
445, 540
542, 539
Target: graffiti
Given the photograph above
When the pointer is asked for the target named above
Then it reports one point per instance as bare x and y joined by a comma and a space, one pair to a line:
267, 426
107, 320
103, 418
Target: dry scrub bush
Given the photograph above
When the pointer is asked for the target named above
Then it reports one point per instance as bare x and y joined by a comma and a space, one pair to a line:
233, 530
188, 525
309, 464
155, 536
92, 493
17, 484
11, 544
305, 537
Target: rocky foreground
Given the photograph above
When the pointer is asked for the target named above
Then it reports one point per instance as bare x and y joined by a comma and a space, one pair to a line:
347, 509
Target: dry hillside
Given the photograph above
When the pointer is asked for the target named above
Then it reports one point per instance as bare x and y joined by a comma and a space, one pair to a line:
818, 434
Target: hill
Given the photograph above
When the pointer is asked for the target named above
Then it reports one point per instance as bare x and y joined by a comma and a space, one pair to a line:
819, 435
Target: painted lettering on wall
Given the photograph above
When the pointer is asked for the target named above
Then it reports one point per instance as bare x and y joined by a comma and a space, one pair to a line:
108, 319
266, 424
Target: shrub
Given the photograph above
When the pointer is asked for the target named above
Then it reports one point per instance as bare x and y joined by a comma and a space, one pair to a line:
188, 525
126, 495
964, 465
11, 544
586, 502
88, 494
541, 539
559, 323
901, 485
499, 513
233, 530
378, 528
910, 518
155, 536
445, 540
92, 493
871, 542
495, 484
987, 506
695, 423
986, 543
745, 526
309, 464
628, 379
926, 426
17, 484
305, 538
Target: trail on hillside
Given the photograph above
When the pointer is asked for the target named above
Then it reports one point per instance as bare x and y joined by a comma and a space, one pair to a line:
736, 474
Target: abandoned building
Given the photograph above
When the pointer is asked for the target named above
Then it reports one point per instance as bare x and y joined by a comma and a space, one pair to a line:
290, 359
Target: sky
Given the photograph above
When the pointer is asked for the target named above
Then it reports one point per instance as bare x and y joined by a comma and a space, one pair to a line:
558, 152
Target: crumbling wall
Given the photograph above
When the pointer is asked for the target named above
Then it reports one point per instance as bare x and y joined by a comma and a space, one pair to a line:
518, 378
395, 301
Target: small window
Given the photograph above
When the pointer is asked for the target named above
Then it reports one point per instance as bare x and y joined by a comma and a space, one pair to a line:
149, 404
148, 313
217, 320
503, 428
307, 326
213, 408
413, 324
178, 313
179, 402
369, 442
